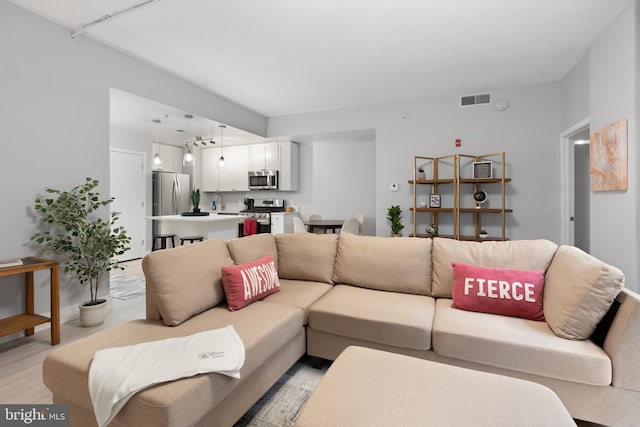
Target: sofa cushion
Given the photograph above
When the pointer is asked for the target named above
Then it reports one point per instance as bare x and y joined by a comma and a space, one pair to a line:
517, 344
263, 327
387, 264
499, 291
578, 292
391, 318
249, 248
307, 256
517, 254
186, 280
249, 282
299, 293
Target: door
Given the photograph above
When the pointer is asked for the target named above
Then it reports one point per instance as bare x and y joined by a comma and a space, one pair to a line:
128, 189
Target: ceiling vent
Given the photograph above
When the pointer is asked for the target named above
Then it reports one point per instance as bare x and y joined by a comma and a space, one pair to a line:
484, 98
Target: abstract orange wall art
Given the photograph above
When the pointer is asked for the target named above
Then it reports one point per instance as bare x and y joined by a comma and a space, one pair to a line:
608, 154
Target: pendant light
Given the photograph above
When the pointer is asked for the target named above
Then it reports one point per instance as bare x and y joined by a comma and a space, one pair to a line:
157, 161
187, 160
221, 160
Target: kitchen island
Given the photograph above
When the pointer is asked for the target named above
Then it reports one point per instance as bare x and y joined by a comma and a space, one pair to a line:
214, 225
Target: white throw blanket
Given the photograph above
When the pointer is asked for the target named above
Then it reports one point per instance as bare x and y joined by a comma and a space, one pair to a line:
118, 373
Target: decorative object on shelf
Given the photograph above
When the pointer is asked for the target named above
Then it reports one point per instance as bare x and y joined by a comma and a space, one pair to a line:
421, 174
434, 200
195, 199
483, 234
480, 197
88, 242
483, 169
432, 230
394, 216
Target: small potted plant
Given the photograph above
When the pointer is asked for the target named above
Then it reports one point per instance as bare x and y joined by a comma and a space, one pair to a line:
394, 215
195, 199
483, 234
421, 174
75, 231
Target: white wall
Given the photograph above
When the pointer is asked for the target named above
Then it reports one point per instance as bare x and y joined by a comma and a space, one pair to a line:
54, 112
527, 131
614, 86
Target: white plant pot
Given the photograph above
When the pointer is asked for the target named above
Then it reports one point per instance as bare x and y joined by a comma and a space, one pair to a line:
93, 315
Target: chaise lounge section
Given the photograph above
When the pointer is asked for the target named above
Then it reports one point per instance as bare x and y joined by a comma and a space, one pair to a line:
390, 294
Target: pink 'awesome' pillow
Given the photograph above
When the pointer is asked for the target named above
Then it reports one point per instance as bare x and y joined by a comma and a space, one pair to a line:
516, 293
249, 282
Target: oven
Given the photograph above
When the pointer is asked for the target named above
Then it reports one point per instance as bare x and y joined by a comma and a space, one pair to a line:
261, 213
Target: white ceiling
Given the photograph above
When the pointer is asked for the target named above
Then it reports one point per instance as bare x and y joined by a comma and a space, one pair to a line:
280, 57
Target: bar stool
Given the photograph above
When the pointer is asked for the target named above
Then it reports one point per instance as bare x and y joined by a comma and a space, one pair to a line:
163, 241
191, 239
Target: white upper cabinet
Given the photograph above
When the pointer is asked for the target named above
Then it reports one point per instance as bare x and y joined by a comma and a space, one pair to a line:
210, 181
171, 157
264, 156
288, 177
233, 176
240, 159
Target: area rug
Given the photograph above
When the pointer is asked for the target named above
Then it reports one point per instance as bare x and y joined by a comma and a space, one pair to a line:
125, 287
280, 405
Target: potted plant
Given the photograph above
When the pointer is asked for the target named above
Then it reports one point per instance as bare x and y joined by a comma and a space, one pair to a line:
421, 174
87, 243
195, 199
483, 234
394, 215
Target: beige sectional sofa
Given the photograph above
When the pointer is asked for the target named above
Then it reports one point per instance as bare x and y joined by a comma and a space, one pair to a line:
392, 294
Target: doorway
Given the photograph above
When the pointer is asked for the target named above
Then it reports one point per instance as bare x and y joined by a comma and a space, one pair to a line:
127, 170
574, 191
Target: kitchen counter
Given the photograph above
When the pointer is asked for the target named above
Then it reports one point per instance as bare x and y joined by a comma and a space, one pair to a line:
212, 217
214, 226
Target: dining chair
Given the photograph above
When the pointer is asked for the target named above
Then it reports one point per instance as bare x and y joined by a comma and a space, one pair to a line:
298, 225
314, 217
360, 218
351, 225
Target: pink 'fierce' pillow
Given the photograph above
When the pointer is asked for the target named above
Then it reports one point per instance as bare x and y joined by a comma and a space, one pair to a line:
246, 283
516, 293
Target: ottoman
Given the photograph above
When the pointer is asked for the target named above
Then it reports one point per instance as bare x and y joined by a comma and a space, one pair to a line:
365, 387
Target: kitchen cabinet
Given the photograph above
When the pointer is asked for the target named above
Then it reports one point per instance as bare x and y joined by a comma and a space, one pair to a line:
288, 166
240, 159
233, 176
282, 222
264, 156
210, 181
171, 157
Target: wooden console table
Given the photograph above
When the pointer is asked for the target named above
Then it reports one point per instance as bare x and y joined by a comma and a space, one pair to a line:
28, 320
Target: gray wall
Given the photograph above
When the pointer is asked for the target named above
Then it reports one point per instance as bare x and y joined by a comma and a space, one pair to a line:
527, 131
613, 95
55, 126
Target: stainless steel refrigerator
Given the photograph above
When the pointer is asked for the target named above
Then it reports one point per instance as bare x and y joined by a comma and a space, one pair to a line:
171, 195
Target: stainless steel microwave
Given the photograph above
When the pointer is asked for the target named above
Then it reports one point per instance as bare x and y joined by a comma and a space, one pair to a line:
263, 180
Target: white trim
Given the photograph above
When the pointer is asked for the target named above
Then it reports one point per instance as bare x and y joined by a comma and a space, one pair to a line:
567, 197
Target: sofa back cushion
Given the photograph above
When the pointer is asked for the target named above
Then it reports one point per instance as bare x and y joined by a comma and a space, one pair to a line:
579, 289
515, 255
384, 263
249, 248
186, 280
307, 256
